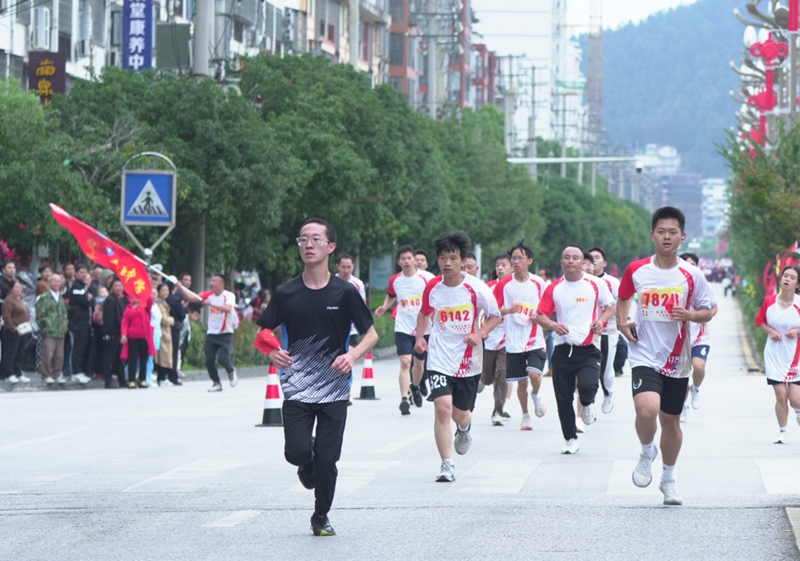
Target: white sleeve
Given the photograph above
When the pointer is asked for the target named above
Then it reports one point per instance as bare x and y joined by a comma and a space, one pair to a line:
703, 297
487, 303
606, 298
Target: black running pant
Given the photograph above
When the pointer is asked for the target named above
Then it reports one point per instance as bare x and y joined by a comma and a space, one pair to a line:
571, 363
81, 334
137, 355
603, 362
112, 363
218, 343
298, 427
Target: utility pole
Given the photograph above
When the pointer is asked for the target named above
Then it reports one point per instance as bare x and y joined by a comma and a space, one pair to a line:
354, 31
508, 103
581, 138
563, 105
433, 62
533, 169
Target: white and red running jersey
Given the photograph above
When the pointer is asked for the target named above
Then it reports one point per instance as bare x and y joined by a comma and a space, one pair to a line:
523, 334
699, 334
408, 291
355, 281
664, 343
578, 305
780, 357
610, 327
497, 337
454, 311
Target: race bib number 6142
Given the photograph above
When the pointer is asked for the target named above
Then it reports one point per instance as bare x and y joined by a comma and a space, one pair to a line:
456, 320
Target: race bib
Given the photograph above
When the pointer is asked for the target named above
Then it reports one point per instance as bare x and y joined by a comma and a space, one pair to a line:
657, 304
457, 320
525, 314
411, 305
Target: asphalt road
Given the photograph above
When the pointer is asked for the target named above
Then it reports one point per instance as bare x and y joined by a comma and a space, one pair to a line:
178, 473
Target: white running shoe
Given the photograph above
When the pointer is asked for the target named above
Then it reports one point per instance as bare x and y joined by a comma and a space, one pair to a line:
61, 379
462, 441
81, 378
497, 419
695, 396
642, 475
608, 405
24, 379
579, 427
783, 437
13, 379
570, 446
684, 412
234, 379
49, 381
671, 496
526, 423
588, 414
539, 408
216, 388
447, 473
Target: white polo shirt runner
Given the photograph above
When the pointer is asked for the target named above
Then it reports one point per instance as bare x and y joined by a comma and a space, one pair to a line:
781, 357
664, 343
455, 310
408, 290
523, 334
497, 337
578, 305
221, 322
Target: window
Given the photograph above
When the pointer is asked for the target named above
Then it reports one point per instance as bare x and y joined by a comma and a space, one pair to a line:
412, 53
238, 30
396, 83
366, 37
331, 33
397, 9
396, 44
116, 28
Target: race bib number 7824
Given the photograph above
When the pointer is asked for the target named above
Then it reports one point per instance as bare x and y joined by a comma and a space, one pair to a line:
657, 304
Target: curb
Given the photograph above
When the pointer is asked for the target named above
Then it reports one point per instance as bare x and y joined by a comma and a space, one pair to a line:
748, 344
794, 520
35, 385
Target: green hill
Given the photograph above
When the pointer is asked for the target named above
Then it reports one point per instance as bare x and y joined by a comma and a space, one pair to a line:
666, 81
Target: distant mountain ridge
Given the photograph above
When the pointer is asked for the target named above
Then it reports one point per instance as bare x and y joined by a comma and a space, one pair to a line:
666, 81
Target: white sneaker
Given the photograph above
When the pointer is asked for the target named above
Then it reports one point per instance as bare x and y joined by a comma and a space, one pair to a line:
49, 381
216, 388
462, 441
684, 412
579, 426
642, 475
61, 379
233, 378
24, 379
12, 379
695, 396
447, 473
783, 437
539, 408
81, 378
608, 405
671, 496
588, 414
526, 423
570, 446
497, 419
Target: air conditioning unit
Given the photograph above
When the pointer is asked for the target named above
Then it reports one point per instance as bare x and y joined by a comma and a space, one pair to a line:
40, 34
81, 48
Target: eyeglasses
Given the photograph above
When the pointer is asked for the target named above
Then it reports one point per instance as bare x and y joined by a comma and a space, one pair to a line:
515, 259
316, 240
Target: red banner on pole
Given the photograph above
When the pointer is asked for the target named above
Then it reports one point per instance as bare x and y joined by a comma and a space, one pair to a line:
109, 254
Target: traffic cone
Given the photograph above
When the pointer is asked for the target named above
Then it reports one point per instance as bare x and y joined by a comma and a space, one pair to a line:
367, 380
272, 402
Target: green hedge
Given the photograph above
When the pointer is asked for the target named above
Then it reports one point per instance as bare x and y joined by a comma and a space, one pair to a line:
750, 300
384, 325
244, 353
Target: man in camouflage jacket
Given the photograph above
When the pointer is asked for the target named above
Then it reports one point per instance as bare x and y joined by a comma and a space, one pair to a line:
51, 317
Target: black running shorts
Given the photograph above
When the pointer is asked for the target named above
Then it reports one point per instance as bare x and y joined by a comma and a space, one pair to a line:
671, 390
464, 390
519, 364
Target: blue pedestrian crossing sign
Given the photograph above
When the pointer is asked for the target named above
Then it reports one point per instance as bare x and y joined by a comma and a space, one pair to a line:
148, 198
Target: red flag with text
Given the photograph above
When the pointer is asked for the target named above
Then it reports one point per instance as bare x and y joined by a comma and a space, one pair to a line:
109, 254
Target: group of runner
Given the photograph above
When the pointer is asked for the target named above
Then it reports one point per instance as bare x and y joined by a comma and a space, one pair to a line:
458, 331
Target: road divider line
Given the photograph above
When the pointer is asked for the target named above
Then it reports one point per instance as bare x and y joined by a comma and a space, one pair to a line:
490, 477
186, 478
42, 440
234, 519
398, 445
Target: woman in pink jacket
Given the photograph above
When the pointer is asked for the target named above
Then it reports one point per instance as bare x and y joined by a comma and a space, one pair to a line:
137, 340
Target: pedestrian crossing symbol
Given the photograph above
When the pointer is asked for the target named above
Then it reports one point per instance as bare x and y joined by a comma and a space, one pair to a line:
148, 198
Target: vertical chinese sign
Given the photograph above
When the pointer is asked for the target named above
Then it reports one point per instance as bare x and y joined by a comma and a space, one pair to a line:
137, 35
47, 75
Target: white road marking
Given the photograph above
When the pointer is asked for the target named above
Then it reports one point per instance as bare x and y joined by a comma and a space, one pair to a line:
34, 483
621, 483
233, 519
186, 478
253, 399
779, 476
354, 475
492, 477
43, 439
398, 445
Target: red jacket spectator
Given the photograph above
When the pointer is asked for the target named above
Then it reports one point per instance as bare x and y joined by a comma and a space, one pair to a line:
136, 325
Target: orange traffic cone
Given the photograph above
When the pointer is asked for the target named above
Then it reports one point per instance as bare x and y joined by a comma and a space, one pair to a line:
272, 402
367, 380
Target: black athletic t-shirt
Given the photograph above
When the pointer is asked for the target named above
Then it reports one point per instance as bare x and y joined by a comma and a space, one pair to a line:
316, 329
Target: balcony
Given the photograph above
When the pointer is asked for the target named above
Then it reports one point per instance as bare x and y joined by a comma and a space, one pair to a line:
375, 11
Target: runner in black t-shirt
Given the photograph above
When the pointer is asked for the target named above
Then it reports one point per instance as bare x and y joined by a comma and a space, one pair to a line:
315, 312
